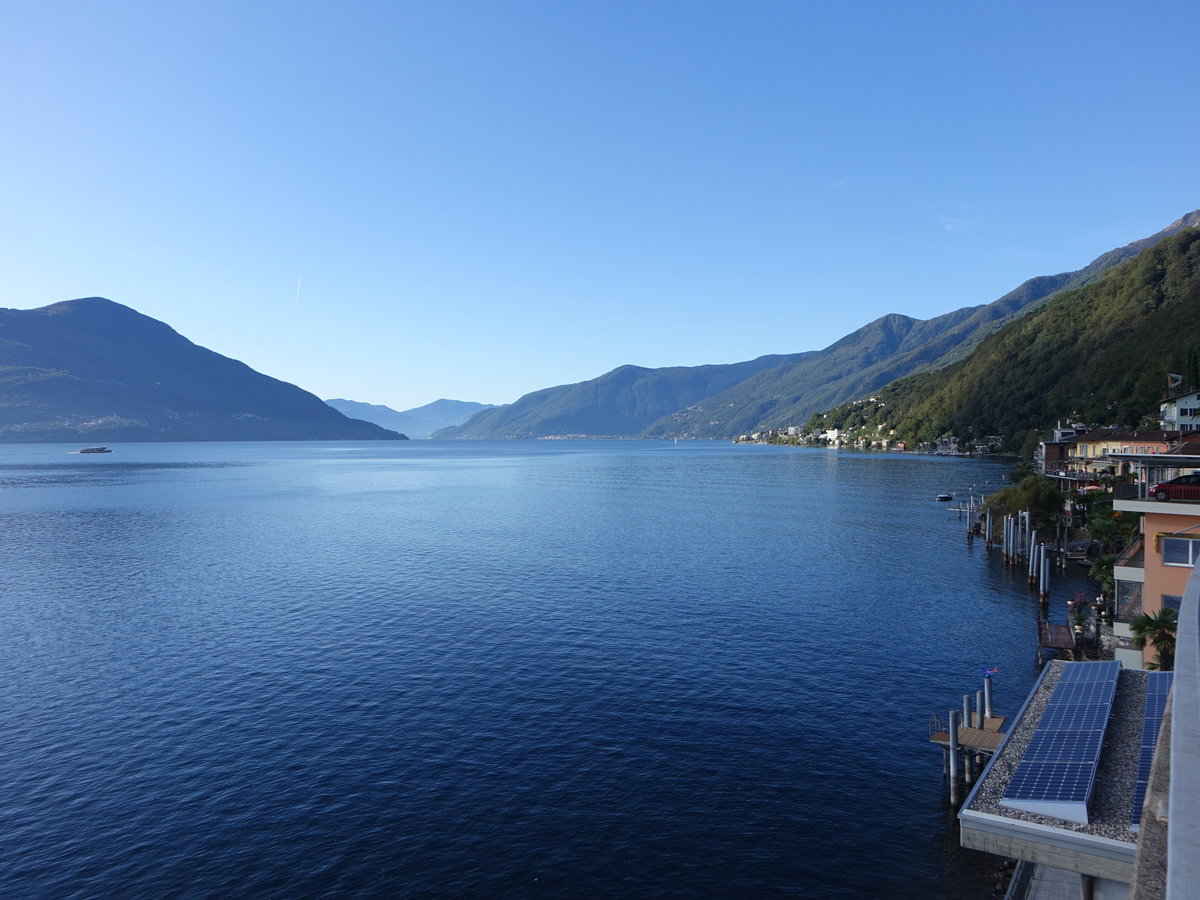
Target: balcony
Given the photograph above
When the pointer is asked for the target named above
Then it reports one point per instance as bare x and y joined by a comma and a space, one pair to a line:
1143, 504
1133, 556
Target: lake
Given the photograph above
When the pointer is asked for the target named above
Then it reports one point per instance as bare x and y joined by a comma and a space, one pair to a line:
512, 669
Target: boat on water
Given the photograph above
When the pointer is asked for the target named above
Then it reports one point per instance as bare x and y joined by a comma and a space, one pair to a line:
944, 498
93, 450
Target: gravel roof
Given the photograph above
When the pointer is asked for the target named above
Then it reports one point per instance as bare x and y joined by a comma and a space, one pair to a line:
1112, 793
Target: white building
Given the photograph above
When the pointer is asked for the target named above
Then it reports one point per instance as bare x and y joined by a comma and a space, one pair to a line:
1181, 413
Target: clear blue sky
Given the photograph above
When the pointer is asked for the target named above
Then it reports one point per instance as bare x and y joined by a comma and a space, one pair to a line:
399, 201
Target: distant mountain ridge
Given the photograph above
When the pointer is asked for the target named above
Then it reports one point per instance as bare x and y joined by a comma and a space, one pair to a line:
1100, 353
774, 392
419, 422
620, 403
91, 370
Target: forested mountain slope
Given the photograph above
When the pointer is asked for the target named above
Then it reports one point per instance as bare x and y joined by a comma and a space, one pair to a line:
1100, 353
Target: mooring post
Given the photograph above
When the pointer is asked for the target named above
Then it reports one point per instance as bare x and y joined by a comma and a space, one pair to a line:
1045, 592
988, 530
1033, 560
953, 729
987, 695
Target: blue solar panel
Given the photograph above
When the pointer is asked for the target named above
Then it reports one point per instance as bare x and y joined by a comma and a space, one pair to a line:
1064, 746
1056, 782
1145, 758
1058, 767
1075, 717
1139, 799
1159, 682
1150, 732
1085, 692
1089, 671
1158, 687
1156, 704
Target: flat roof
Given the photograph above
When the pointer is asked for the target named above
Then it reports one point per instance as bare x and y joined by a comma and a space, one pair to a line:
1103, 846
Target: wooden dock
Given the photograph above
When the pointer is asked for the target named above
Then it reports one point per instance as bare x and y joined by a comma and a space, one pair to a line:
976, 734
982, 740
1054, 637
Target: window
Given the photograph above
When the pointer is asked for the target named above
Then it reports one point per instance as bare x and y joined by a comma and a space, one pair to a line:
1170, 601
1129, 599
1180, 551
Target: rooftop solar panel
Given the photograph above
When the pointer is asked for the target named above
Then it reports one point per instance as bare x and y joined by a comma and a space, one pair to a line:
1064, 746
1159, 682
1089, 671
1158, 687
1139, 800
1054, 782
1085, 692
1150, 732
1075, 717
1057, 770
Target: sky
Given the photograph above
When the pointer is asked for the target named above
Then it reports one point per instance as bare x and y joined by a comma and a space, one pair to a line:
395, 202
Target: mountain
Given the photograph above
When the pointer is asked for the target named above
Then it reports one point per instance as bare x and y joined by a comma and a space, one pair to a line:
881, 352
619, 404
419, 422
92, 370
712, 401
1097, 354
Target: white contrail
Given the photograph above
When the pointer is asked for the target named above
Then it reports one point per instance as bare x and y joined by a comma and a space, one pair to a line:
297, 309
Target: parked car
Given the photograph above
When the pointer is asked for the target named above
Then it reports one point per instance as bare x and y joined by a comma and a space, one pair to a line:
1185, 487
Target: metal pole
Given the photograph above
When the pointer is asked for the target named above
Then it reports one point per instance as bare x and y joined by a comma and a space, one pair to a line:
954, 756
1045, 592
987, 696
1033, 561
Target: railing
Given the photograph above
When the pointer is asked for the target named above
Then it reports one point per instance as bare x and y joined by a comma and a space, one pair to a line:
1132, 555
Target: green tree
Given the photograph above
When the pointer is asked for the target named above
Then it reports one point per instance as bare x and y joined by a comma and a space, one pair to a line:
1102, 573
1021, 471
1112, 530
1157, 629
1036, 494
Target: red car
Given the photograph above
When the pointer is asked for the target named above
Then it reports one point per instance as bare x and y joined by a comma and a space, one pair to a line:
1185, 487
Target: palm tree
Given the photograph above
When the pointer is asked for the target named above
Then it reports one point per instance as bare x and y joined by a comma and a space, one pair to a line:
1157, 629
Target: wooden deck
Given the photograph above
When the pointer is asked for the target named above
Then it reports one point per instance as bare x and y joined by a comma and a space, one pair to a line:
983, 740
1055, 637
990, 723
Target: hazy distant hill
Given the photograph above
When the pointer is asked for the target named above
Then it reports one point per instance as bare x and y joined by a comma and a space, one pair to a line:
92, 370
620, 403
1100, 353
418, 422
713, 401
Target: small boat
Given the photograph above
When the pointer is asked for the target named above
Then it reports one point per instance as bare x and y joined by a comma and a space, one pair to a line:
944, 498
93, 450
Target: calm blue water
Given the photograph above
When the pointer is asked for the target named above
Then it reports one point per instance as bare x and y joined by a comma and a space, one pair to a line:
507, 669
